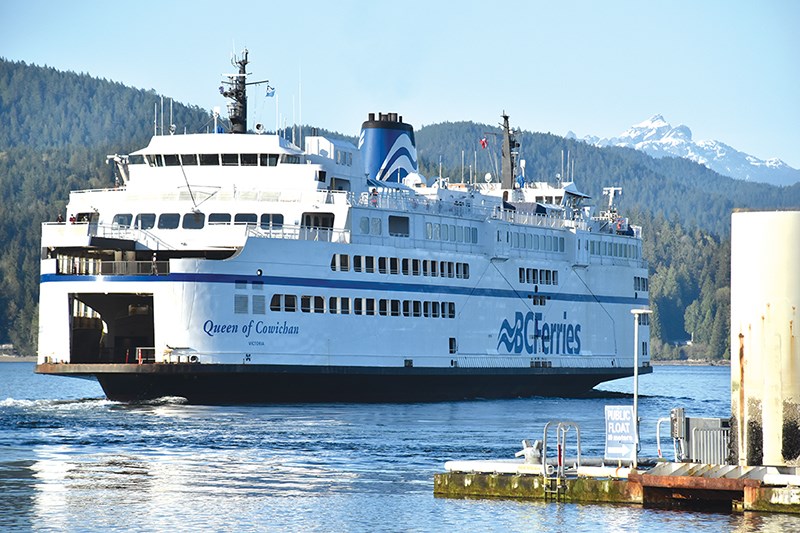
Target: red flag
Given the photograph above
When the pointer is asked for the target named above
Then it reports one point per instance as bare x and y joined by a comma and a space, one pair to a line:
484, 143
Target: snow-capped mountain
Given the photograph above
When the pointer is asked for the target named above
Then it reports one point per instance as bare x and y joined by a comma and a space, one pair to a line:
658, 138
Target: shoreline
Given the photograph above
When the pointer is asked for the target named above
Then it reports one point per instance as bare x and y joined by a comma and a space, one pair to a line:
5, 358
690, 362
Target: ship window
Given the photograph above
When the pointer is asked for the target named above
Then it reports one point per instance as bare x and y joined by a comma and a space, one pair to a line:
428, 230
245, 218
145, 221
375, 226
259, 304
398, 226
290, 159
219, 218
383, 307
435, 309
123, 220
561, 244
415, 267
406, 308
364, 225
555, 277
321, 174
369, 263
275, 303
305, 304
268, 160
319, 304
168, 220
395, 308
171, 160
230, 160
357, 263
269, 220
290, 303
406, 263
209, 159
240, 304
436, 232
345, 306
370, 306
159, 160
522, 275
249, 160
453, 345
382, 265
358, 308
344, 263
444, 232
434, 268
426, 309
189, 159
194, 220
393, 265
333, 305
451, 309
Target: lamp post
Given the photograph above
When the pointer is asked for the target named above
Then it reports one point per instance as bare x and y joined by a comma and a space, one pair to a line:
636, 314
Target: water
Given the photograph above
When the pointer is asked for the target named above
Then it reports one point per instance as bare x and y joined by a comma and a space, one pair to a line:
72, 461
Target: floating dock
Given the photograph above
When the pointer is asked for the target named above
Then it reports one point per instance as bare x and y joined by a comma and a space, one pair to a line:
666, 485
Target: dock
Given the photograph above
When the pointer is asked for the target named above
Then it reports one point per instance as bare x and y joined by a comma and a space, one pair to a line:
666, 485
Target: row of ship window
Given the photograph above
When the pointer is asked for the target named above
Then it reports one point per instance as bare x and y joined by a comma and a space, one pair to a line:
519, 239
640, 284
245, 160
614, 249
451, 232
395, 265
195, 220
343, 305
538, 276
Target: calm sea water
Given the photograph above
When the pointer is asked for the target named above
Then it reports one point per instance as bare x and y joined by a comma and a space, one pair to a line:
72, 461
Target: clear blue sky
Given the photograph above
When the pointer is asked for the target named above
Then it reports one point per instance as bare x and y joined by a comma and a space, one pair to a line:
730, 70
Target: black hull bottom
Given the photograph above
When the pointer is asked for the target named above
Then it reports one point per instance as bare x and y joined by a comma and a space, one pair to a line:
237, 384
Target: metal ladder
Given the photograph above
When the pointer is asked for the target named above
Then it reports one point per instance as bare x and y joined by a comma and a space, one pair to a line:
554, 478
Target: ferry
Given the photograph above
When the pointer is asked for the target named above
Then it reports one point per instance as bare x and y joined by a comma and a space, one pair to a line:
239, 267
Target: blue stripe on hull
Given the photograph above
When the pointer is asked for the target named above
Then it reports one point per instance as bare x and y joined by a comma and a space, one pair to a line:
376, 286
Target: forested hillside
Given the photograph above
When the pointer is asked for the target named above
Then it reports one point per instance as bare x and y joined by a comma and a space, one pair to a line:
57, 128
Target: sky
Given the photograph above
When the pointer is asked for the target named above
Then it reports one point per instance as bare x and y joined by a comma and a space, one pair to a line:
730, 70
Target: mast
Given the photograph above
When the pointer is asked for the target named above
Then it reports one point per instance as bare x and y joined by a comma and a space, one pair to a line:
237, 110
510, 154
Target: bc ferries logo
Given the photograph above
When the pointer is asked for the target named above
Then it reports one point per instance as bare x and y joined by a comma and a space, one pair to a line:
549, 338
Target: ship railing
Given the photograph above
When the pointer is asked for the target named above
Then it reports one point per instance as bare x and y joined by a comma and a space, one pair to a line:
146, 238
300, 233
145, 355
134, 268
467, 207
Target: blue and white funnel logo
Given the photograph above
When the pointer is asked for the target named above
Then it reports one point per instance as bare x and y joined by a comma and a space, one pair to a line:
549, 338
387, 149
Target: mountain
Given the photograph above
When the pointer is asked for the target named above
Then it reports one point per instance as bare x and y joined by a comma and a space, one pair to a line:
658, 138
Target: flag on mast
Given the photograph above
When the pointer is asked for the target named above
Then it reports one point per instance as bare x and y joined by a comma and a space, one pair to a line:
484, 143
